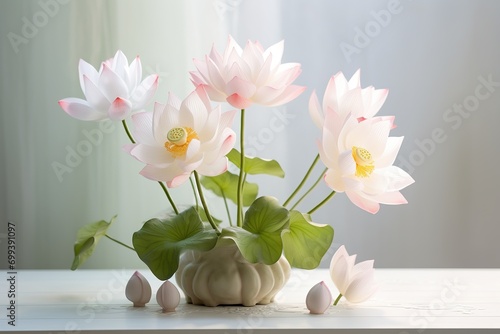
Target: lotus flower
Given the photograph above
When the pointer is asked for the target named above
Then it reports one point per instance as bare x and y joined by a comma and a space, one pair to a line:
182, 136
347, 98
138, 290
246, 76
359, 157
113, 92
355, 282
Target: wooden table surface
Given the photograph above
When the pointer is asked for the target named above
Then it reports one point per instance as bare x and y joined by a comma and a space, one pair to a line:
408, 301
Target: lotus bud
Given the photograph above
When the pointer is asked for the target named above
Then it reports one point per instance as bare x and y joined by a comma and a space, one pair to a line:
138, 290
168, 297
318, 298
356, 282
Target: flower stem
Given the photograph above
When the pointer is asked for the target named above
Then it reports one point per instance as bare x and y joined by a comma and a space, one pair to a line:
168, 197
301, 184
204, 203
242, 168
337, 300
128, 132
119, 242
129, 135
227, 208
310, 189
327, 198
194, 192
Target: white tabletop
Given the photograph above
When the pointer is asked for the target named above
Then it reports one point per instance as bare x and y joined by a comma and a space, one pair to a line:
408, 301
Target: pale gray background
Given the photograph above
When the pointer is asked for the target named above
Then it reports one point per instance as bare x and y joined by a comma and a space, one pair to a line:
429, 55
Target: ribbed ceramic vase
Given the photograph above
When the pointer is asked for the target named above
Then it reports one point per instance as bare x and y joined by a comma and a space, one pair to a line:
222, 276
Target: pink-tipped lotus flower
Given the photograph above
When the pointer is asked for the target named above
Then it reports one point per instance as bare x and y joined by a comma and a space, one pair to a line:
113, 92
356, 146
182, 136
356, 282
246, 76
359, 157
347, 98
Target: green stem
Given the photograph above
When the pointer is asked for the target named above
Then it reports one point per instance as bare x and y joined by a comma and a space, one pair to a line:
227, 208
301, 184
327, 198
194, 192
119, 242
168, 197
129, 135
204, 203
128, 132
242, 168
337, 300
310, 189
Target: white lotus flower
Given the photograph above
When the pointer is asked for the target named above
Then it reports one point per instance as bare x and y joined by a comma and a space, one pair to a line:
180, 137
113, 92
347, 98
138, 290
359, 157
246, 76
356, 282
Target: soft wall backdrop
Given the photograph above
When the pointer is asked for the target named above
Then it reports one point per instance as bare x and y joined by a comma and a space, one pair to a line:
439, 59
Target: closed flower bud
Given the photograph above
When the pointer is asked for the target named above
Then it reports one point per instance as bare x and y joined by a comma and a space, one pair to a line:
318, 298
138, 290
168, 297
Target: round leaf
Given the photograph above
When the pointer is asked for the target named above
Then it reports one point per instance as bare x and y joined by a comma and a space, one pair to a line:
159, 243
255, 165
226, 185
265, 215
304, 242
86, 240
260, 238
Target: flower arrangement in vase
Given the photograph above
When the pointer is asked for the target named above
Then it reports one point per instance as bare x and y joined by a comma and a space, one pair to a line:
246, 260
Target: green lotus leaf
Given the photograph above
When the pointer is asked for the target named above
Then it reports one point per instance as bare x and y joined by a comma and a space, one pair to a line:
86, 240
226, 185
159, 243
260, 238
304, 242
254, 165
